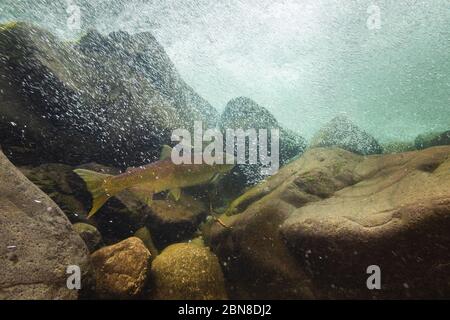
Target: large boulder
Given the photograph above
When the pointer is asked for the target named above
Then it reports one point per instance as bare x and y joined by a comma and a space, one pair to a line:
312, 230
110, 99
244, 113
187, 271
173, 221
424, 141
341, 132
121, 269
38, 242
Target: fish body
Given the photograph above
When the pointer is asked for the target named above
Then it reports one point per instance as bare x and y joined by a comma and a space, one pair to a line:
147, 180
164, 175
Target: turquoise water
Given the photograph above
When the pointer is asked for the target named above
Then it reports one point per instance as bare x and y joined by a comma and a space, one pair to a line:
306, 61
100, 100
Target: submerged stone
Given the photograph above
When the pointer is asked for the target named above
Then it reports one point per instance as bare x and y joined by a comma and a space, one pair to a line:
312, 230
341, 132
424, 141
146, 237
90, 235
186, 271
121, 269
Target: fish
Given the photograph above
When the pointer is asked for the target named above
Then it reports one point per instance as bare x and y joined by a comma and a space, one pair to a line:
145, 181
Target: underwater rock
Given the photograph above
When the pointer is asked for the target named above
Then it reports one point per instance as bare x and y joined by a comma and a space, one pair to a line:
341, 132
90, 235
108, 99
185, 271
398, 147
38, 242
424, 141
167, 220
244, 113
62, 185
313, 229
121, 216
173, 221
121, 269
257, 264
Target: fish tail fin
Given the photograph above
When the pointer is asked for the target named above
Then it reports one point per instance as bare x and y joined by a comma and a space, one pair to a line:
95, 183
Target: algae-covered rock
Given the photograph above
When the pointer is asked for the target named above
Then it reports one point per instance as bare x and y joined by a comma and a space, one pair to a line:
121, 269
38, 243
424, 141
341, 132
313, 229
89, 234
186, 271
173, 221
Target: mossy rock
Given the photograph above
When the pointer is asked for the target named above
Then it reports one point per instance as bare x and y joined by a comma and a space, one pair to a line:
187, 271
90, 235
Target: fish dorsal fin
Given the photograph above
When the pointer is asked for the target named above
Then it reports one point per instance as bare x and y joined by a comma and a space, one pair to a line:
143, 192
166, 152
175, 194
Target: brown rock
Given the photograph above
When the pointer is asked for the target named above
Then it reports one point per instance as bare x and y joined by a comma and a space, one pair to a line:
314, 228
396, 217
121, 269
174, 221
38, 242
187, 271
